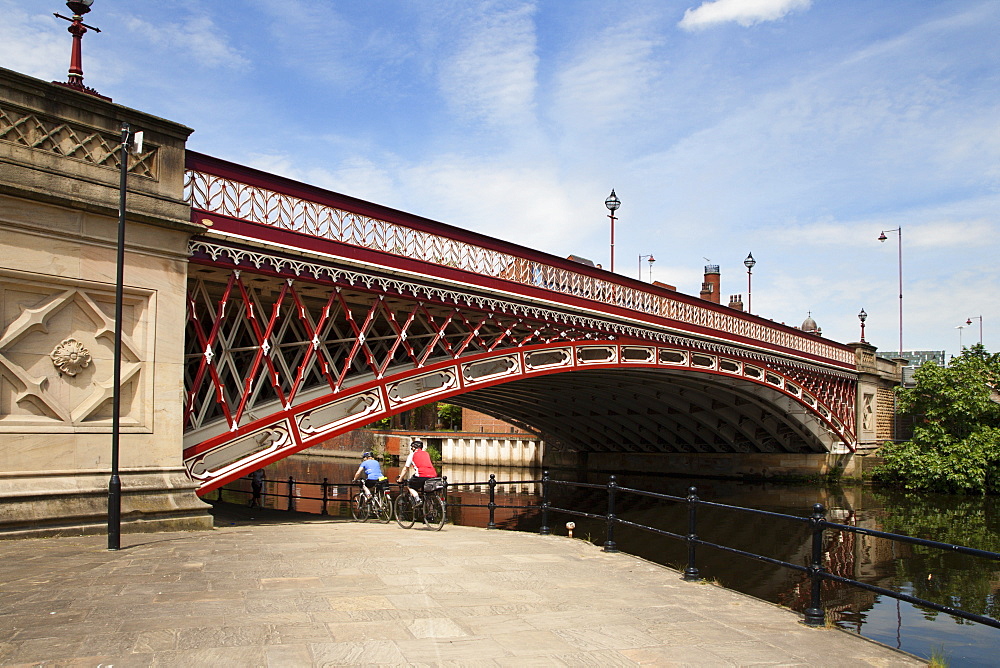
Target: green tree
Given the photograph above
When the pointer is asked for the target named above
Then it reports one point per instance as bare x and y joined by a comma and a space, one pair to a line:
449, 416
955, 446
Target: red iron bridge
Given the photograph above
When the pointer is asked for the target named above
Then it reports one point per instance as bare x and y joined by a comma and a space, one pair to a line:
311, 313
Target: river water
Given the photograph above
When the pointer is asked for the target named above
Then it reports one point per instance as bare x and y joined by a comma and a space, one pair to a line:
942, 577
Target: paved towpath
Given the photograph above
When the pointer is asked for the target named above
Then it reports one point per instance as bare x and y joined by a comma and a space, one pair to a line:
290, 590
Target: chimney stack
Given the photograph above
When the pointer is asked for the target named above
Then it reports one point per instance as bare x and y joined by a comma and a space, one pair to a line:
736, 302
710, 288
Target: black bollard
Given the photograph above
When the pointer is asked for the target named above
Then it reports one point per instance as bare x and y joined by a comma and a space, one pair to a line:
326, 495
493, 502
691, 572
609, 544
814, 615
544, 530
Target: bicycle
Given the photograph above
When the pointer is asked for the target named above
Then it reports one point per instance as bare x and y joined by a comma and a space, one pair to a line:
431, 508
377, 504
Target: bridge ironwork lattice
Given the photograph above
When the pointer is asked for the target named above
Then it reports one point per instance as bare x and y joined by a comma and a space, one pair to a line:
280, 354
228, 197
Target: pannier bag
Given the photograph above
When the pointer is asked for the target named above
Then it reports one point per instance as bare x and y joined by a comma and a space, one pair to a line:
433, 485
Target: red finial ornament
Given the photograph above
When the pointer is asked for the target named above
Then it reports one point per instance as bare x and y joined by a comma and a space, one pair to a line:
78, 29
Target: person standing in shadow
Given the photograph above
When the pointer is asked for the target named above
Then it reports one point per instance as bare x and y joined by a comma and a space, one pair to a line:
257, 486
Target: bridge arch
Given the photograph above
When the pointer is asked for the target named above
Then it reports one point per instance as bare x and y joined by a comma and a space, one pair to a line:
310, 314
599, 395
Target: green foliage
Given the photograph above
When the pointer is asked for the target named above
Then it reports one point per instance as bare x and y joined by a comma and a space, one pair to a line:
434, 452
384, 423
449, 416
943, 576
955, 446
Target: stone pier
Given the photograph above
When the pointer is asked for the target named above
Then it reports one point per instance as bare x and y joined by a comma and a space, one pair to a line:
59, 195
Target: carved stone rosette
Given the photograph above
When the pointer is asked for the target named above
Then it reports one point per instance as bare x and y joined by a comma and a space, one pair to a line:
70, 357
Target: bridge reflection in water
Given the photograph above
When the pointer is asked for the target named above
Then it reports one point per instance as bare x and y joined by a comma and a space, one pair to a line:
949, 579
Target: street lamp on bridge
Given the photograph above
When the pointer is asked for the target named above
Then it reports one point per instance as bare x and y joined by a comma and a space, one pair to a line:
612, 202
862, 317
651, 261
749, 263
899, 235
980, 319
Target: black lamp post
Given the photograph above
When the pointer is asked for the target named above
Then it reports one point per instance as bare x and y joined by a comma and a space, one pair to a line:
862, 317
612, 202
749, 263
115, 483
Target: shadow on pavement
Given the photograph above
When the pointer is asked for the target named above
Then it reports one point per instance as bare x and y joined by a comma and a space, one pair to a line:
231, 514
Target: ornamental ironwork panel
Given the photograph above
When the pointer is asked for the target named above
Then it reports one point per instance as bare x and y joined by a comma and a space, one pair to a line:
216, 194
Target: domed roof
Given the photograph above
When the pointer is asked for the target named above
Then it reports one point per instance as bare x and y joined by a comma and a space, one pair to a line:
809, 325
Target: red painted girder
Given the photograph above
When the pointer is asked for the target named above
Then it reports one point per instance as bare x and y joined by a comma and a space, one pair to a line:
288, 238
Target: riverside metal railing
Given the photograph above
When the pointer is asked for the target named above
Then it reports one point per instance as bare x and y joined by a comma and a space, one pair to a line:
816, 522
288, 491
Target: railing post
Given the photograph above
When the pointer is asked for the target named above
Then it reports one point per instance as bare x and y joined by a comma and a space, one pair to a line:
544, 530
691, 573
291, 493
814, 615
609, 544
493, 502
326, 495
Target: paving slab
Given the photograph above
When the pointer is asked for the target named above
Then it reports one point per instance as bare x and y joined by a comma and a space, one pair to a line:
267, 588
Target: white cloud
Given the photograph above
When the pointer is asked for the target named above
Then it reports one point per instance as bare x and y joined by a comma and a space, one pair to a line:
744, 12
35, 44
609, 79
196, 36
491, 75
524, 204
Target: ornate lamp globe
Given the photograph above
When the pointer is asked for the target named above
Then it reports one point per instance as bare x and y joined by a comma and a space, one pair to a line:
79, 7
612, 202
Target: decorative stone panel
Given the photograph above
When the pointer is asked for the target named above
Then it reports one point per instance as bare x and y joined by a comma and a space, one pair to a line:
57, 354
71, 140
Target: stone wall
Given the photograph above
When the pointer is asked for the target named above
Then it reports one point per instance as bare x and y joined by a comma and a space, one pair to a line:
59, 195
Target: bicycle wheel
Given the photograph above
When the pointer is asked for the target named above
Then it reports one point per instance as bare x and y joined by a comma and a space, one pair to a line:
434, 511
359, 507
405, 512
383, 506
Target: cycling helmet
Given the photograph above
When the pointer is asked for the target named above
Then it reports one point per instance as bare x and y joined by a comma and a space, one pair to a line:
417, 444
365, 455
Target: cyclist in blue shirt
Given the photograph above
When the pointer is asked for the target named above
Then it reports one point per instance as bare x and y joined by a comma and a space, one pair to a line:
372, 472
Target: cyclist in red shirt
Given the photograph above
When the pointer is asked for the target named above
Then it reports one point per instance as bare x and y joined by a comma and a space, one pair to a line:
419, 465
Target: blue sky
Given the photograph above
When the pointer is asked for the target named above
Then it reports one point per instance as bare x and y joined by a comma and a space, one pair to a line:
794, 129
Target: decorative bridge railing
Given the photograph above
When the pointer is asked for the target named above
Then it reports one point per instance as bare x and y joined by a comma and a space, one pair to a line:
215, 187
817, 569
